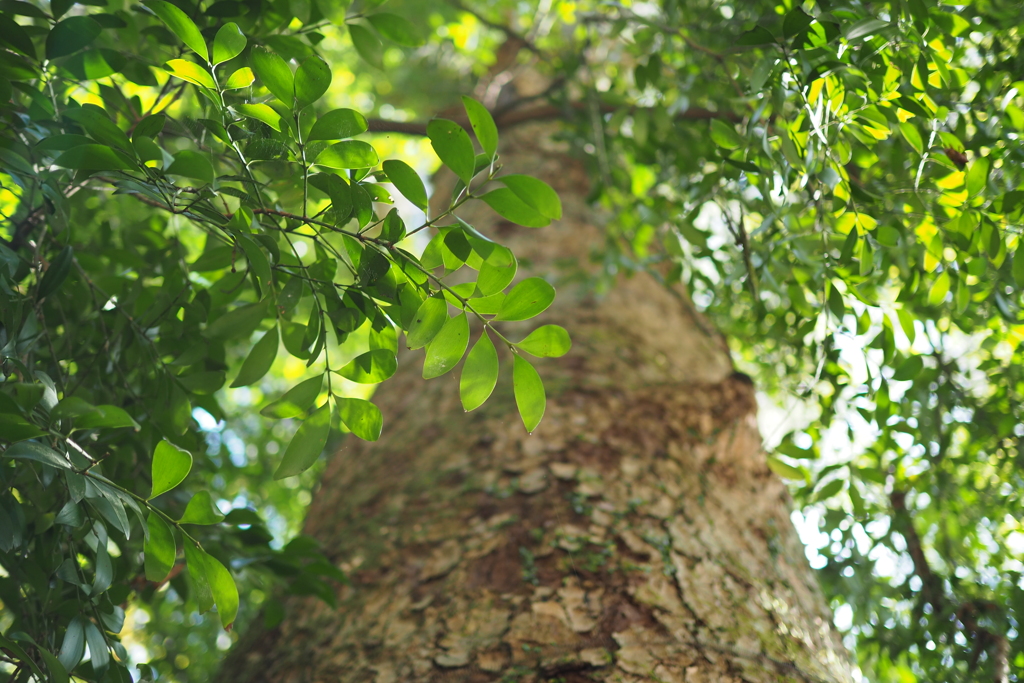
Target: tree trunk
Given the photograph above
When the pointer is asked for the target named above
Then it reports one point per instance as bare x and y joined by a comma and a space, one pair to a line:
638, 535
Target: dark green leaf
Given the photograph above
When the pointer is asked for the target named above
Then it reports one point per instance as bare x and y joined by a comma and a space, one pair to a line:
170, 467
71, 35
429, 319
56, 273
239, 322
94, 158
529, 392
296, 401
312, 79
274, 73
367, 45
307, 444
30, 450
195, 560
159, 548
259, 360
192, 165
99, 655
73, 647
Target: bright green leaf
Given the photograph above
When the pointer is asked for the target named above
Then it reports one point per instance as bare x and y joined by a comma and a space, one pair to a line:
223, 588
241, 78
361, 417
371, 367
180, 25
724, 135
479, 373
447, 348
529, 392
429, 319
537, 194
312, 79
191, 72
407, 181
349, 154
547, 341
159, 548
201, 510
296, 401
483, 125
274, 73
195, 561
508, 205
170, 467
337, 125
260, 112
228, 43
191, 164
912, 136
529, 298
452, 145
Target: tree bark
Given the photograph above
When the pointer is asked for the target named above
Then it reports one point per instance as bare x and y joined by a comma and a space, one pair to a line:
638, 535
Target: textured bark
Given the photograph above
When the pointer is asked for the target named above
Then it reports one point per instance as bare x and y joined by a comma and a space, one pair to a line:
638, 535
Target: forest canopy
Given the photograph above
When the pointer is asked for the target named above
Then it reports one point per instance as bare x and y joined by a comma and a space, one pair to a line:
215, 239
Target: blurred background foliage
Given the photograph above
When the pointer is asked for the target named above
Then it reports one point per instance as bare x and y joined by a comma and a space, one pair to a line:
837, 185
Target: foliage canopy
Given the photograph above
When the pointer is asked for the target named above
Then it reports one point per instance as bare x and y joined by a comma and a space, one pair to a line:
836, 184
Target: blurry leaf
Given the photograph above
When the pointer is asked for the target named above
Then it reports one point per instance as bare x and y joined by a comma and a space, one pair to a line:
483, 125
1018, 266
397, 29
362, 418
865, 27
452, 145
446, 349
479, 373
756, 36
93, 158
796, 21
725, 135
274, 73
371, 367
191, 165
296, 401
939, 289
201, 510
977, 176
547, 341
307, 444
259, 360
509, 206
195, 561
430, 318
228, 43
71, 35
367, 45
784, 470
529, 392
337, 124
909, 369
529, 298
407, 181
159, 548
239, 322
30, 450
349, 154
180, 25
170, 467
912, 136
312, 79
56, 273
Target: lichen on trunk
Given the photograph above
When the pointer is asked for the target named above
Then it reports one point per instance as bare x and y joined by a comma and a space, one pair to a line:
637, 535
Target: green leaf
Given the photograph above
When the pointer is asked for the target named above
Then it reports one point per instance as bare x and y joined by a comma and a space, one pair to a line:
337, 125
296, 401
274, 73
229, 43
361, 417
260, 112
429, 319
170, 467
367, 45
452, 145
547, 341
159, 548
56, 273
94, 158
195, 560
909, 369
483, 125
57, 672
239, 322
241, 78
259, 360
496, 273
785, 470
939, 289
73, 647
407, 181
1018, 266
258, 261
16, 428
758, 35
865, 27
312, 79
510, 207
397, 29
796, 21
371, 367
150, 127
30, 450
71, 35
479, 373
180, 25
529, 391
22, 656
912, 136
102, 566
536, 194
977, 176
349, 154
201, 510
225, 592
106, 417
447, 348
191, 72
191, 164
99, 654
529, 298
307, 444
724, 135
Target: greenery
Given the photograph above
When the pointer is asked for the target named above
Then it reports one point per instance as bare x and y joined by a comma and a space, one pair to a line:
186, 203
